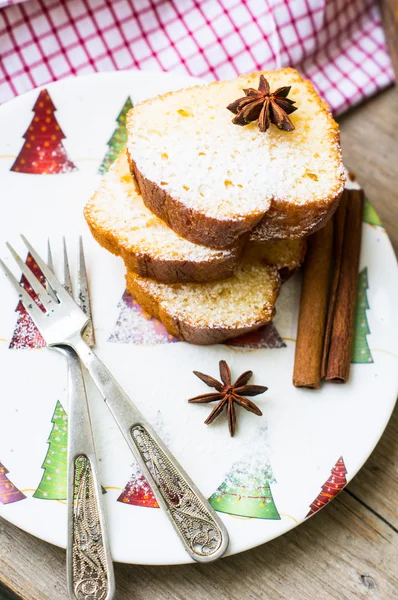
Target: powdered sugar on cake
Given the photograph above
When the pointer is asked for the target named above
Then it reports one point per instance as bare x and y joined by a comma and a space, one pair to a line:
118, 208
186, 144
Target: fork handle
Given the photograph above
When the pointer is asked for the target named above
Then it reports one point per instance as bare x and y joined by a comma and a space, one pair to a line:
89, 563
201, 530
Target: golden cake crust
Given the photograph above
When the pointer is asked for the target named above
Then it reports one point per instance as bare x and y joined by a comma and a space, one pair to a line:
277, 217
120, 223
154, 300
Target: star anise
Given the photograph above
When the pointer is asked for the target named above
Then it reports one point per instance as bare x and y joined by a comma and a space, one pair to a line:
265, 106
228, 394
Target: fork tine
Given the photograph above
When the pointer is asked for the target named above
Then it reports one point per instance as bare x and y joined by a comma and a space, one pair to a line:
83, 296
67, 277
50, 262
37, 287
48, 274
29, 304
50, 265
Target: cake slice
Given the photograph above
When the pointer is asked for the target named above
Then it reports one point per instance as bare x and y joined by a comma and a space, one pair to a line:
209, 313
211, 180
121, 223
285, 255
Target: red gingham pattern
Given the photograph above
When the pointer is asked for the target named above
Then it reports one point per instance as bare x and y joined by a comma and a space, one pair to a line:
338, 44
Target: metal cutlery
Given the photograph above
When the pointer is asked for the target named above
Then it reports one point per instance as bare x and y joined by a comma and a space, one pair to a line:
201, 530
90, 573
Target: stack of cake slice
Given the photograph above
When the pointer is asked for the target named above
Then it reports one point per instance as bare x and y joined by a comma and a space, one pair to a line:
208, 215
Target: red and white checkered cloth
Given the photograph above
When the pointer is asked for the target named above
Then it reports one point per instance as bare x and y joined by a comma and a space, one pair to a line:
338, 44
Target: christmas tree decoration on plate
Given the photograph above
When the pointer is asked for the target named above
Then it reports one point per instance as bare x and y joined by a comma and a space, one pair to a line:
246, 491
138, 492
8, 492
43, 151
26, 334
333, 486
370, 215
228, 394
265, 337
118, 139
54, 480
135, 326
360, 347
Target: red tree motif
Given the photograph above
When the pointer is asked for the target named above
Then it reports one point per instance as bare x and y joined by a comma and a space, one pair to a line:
43, 151
138, 492
8, 492
331, 488
26, 334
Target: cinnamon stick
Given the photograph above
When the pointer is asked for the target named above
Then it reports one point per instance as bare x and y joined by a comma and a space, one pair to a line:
313, 309
338, 240
338, 354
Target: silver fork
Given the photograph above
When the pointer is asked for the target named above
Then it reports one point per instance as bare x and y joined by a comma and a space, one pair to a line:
89, 562
201, 530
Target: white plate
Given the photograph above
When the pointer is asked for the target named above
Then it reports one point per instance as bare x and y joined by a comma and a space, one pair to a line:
276, 465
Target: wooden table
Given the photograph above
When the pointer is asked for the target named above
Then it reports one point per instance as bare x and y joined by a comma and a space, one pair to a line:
350, 549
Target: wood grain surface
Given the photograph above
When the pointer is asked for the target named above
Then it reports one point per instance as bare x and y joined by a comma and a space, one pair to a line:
389, 12
348, 551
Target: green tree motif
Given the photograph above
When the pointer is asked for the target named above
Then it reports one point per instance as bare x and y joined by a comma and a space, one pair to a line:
360, 347
118, 139
54, 480
370, 215
247, 493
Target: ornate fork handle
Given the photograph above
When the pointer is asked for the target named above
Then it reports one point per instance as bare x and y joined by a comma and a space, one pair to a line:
190, 516
201, 530
90, 569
